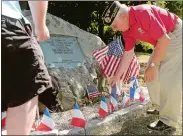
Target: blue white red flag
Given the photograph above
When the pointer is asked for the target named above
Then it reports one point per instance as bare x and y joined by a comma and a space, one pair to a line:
103, 107
47, 123
78, 119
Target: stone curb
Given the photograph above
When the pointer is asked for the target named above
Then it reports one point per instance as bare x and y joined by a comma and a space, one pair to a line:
102, 127
99, 126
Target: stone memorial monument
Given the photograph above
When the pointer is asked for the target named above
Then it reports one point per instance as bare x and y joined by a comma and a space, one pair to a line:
68, 56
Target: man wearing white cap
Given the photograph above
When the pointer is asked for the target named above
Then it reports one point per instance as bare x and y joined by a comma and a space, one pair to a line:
163, 75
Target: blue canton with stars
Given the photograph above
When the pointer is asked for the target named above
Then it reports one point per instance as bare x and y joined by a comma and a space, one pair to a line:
116, 48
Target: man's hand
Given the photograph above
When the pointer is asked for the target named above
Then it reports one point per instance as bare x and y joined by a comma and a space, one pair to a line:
42, 33
150, 74
123, 66
114, 80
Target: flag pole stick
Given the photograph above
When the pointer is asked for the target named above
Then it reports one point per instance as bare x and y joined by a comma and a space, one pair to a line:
37, 112
84, 130
85, 125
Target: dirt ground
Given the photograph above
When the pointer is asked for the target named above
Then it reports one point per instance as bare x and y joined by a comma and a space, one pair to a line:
139, 127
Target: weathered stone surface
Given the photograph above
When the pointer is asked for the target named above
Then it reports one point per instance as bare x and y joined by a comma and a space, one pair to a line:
53, 132
73, 82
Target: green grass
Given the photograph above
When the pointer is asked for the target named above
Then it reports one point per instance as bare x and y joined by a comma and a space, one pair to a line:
142, 53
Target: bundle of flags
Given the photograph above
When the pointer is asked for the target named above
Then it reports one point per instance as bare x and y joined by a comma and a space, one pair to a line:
135, 92
103, 111
125, 99
78, 119
47, 123
109, 59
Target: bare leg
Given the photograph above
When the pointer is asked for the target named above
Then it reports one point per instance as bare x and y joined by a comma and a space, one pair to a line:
20, 119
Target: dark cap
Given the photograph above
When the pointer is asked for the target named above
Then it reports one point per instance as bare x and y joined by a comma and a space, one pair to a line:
110, 13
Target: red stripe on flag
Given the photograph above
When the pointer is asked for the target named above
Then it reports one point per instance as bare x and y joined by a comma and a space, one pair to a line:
94, 94
116, 67
43, 127
78, 122
102, 113
3, 121
111, 106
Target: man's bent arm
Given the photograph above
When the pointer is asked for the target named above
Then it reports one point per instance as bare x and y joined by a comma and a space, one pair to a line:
125, 62
161, 49
38, 10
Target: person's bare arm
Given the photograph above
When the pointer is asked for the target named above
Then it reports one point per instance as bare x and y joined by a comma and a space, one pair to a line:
158, 56
38, 10
161, 49
125, 62
123, 66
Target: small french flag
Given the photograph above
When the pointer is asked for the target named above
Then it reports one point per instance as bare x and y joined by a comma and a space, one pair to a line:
3, 119
103, 107
78, 119
47, 123
135, 92
113, 99
125, 99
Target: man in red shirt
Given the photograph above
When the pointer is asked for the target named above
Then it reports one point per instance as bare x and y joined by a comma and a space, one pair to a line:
162, 29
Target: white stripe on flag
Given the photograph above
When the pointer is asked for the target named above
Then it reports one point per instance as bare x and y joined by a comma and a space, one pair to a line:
115, 67
131, 83
102, 64
109, 65
112, 66
137, 93
77, 114
125, 99
48, 121
132, 68
114, 102
103, 105
100, 54
118, 91
3, 115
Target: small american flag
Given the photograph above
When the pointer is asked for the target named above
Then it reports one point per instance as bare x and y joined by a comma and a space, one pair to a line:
109, 59
92, 92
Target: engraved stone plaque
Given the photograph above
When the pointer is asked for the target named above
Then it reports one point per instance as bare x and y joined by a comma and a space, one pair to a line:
62, 52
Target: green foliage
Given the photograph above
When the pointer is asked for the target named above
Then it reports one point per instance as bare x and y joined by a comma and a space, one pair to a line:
88, 14
175, 7
146, 46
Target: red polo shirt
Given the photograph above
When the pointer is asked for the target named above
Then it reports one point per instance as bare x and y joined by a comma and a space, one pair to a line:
148, 23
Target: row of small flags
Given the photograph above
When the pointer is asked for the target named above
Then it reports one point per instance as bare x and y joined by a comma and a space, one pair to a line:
135, 94
78, 120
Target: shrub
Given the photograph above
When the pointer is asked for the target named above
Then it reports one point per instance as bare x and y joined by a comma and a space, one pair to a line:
143, 47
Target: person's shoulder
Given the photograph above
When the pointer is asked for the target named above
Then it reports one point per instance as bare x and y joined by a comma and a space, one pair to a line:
142, 7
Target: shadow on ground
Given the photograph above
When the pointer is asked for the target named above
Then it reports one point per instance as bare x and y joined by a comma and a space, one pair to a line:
139, 127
